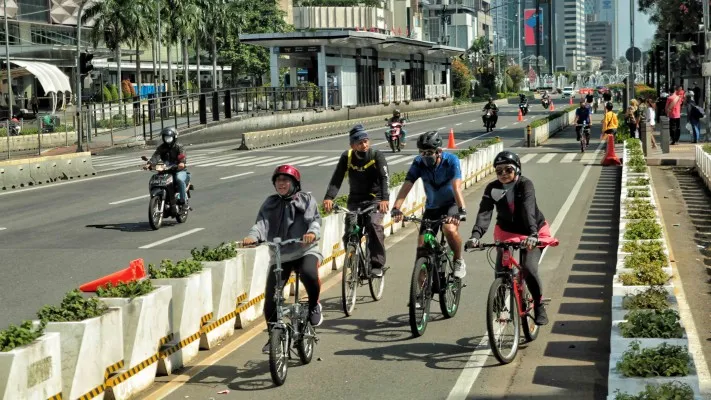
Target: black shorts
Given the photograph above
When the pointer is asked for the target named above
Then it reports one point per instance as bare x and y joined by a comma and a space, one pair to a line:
437, 213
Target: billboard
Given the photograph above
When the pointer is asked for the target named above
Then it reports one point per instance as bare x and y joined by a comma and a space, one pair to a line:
530, 23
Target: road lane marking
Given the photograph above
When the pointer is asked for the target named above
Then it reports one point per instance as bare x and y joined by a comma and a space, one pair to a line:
547, 158
568, 158
168, 239
131, 199
478, 358
527, 158
457, 124
235, 176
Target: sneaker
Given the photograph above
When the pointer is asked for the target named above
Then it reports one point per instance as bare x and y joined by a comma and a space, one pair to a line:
315, 316
541, 317
376, 272
460, 269
265, 349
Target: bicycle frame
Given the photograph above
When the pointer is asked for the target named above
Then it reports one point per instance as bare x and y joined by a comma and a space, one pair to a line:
356, 234
432, 248
294, 312
509, 268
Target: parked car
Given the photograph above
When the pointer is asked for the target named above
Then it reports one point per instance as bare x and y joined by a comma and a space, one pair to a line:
567, 91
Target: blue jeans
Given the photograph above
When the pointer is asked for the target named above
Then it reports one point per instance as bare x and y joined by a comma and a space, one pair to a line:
182, 178
695, 130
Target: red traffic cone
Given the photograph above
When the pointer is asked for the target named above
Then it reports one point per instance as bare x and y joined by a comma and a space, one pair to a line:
135, 271
520, 115
610, 157
451, 144
552, 107
571, 100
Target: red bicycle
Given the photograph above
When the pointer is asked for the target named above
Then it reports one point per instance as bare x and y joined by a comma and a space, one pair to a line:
510, 304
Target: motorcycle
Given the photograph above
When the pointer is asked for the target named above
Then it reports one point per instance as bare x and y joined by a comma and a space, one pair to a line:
163, 188
523, 107
393, 135
488, 119
14, 127
546, 103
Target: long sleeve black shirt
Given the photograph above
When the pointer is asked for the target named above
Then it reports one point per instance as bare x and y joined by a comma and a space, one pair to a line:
368, 177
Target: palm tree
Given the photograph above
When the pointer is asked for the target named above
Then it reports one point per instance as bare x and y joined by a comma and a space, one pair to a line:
223, 17
143, 32
184, 17
114, 21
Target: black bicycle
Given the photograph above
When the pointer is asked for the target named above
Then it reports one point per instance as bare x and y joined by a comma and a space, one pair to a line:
292, 324
433, 273
356, 267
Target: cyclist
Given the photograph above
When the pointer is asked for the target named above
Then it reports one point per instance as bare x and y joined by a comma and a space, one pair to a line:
582, 115
290, 214
369, 182
442, 178
517, 215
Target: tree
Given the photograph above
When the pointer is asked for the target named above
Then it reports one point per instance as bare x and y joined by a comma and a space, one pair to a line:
675, 16
461, 79
517, 76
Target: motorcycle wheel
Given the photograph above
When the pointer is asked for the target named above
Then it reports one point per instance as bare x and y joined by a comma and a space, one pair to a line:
392, 145
155, 217
398, 146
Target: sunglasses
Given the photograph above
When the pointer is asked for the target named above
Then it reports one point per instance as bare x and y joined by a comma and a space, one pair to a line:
504, 171
428, 153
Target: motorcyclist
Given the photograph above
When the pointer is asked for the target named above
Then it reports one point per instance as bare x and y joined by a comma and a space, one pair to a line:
495, 111
403, 133
522, 99
517, 215
290, 214
172, 152
369, 183
582, 116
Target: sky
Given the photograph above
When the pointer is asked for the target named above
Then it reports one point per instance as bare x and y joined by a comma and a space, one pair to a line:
643, 29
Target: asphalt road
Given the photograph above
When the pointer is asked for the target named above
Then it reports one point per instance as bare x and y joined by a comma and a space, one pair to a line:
58, 236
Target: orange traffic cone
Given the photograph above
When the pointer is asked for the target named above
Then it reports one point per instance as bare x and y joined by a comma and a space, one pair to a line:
451, 144
571, 100
552, 107
520, 115
610, 157
135, 271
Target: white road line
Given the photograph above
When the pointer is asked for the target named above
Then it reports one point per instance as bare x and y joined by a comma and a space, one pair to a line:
14, 191
547, 158
473, 120
131, 199
238, 175
168, 239
271, 161
334, 162
398, 160
527, 158
505, 127
457, 124
439, 129
588, 158
212, 161
329, 159
478, 358
238, 161
568, 157
310, 160
243, 162
2, 229
287, 161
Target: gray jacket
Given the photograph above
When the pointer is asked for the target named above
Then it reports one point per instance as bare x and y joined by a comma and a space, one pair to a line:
289, 219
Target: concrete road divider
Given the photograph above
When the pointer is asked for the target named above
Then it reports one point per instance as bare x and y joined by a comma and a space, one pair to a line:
535, 135
33, 371
228, 284
15, 174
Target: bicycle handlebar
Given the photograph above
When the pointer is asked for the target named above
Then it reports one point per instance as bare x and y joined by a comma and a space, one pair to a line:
278, 242
428, 221
500, 245
371, 208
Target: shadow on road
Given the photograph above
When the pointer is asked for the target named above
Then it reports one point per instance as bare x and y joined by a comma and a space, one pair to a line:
125, 227
587, 298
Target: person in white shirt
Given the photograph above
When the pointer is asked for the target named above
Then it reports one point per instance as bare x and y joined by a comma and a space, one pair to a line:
650, 115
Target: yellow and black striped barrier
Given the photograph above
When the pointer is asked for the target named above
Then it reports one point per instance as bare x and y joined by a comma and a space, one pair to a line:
115, 380
101, 388
57, 396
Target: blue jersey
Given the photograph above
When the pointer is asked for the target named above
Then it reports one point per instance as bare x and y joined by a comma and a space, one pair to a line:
437, 180
583, 115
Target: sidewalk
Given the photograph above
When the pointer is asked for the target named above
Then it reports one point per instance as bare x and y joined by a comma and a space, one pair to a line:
681, 154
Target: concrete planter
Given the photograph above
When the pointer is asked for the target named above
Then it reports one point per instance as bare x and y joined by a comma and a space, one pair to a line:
622, 256
145, 324
622, 242
703, 165
339, 251
227, 285
619, 313
618, 289
329, 225
88, 347
256, 261
624, 222
192, 300
33, 371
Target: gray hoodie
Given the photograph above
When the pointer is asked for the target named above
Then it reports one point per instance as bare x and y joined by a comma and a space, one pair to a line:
289, 219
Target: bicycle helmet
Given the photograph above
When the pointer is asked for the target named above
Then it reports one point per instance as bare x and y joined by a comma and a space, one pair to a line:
429, 141
396, 113
507, 158
292, 173
169, 136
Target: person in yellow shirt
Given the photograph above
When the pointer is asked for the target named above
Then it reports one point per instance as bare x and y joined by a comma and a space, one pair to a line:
609, 122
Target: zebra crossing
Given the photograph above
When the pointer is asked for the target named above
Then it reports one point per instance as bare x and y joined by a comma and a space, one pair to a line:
211, 158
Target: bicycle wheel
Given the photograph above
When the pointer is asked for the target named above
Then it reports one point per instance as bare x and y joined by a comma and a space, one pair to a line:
377, 285
501, 312
420, 297
528, 324
278, 355
349, 281
305, 348
450, 291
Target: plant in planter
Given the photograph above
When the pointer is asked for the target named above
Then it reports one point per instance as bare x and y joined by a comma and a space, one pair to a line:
638, 193
228, 283
647, 255
145, 309
663, 360
17, 336
638, 182
85, 325
652, 324
643, 230
654, 298
668, 391
641, 210
170, 270
638, 169
645, 275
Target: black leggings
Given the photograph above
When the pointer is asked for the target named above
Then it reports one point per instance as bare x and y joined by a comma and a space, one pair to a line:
529, 261
308, 270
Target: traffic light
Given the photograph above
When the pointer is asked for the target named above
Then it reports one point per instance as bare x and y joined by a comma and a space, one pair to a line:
85, 63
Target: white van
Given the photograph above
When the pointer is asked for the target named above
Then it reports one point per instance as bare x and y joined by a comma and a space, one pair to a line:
567, 91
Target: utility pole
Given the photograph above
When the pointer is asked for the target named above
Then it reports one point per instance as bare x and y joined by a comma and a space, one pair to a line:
519, 22
538, 36
77, 88
630, 78
9, 78
707, 80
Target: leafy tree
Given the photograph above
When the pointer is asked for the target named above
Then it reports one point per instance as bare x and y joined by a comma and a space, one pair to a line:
675, 16
461, 79
517, 75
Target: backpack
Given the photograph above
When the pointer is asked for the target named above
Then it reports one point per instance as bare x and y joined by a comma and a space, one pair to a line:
697, 112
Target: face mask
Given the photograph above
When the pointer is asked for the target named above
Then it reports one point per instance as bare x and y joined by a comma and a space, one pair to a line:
430, 161
361, 154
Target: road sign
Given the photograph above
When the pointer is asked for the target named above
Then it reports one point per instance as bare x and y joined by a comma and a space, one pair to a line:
633, 51
491, 60
480, 70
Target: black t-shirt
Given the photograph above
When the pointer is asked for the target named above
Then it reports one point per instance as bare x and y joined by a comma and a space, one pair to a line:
607, 96
589, 98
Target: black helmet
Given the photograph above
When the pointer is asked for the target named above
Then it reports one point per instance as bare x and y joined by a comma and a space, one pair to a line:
169, 135
507, 157
396, 113
429, 141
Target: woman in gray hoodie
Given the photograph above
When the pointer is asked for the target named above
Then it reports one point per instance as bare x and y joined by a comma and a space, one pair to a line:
290, 214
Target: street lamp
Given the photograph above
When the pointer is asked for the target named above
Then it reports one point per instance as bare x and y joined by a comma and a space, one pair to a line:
9, 78
78, 78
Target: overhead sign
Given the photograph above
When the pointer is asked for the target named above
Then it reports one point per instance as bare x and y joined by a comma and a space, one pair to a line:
633, 54
299, 49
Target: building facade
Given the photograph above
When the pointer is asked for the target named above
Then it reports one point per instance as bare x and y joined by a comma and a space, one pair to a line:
456, 23
574, 34
598, 42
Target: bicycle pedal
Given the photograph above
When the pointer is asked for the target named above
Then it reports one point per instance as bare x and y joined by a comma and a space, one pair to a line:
464, 285
546, 300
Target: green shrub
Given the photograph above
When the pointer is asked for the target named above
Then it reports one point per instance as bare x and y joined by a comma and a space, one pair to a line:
638, 193
651, 255
74, 307
224, 251
397, 179
652, 324
654, 298
667, 391
645, 275
18, 336
128, 289
638, 182
168, 269
707, 148
643, 230
663, 360
640, 211
551, 116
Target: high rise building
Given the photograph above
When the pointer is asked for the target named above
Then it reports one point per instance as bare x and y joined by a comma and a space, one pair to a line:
598, 42
608, 13
574, 28
465, 20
